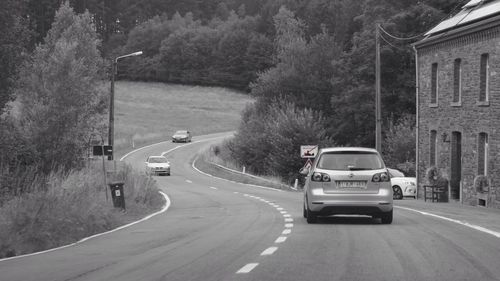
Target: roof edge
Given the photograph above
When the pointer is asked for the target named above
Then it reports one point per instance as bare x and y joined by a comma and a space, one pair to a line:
482, 24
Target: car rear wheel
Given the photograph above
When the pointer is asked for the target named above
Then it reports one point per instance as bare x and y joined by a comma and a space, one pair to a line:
397, 192
386, 217
310, 215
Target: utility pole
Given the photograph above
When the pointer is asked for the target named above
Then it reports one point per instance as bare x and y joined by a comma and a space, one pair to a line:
112, 109
378, 115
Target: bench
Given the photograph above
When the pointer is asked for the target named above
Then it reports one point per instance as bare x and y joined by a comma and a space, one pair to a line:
434, 193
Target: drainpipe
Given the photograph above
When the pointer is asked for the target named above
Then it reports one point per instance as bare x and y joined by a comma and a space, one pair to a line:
416, 118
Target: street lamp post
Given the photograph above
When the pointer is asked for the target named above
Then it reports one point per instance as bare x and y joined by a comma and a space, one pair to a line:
112, 101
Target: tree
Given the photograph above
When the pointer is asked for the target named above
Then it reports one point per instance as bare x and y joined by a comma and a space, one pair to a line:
353, 121
399, 144
14, 42
270, 135
303, 69
59, 95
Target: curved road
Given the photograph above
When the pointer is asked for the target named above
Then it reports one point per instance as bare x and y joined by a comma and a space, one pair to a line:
218, 230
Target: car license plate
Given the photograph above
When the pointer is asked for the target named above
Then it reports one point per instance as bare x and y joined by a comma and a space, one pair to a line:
351, 184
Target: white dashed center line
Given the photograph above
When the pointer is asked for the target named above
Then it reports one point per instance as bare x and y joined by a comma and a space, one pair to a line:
215, 188
269, 251
188, 181
288, 229
247, 268
280, 239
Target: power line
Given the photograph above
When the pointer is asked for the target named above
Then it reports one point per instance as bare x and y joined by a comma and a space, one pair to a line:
400, 38
460, 3
385, 40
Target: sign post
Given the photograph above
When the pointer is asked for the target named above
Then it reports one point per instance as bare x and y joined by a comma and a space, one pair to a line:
102, 150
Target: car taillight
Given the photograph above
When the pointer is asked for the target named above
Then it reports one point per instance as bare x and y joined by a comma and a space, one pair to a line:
321, 177
381, 177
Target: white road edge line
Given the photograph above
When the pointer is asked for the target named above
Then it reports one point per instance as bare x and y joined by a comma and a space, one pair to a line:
164, 209
473, 226
170, 150
247, 268
269, 251
212, 176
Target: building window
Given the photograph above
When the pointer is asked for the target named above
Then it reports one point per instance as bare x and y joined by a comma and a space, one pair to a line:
484, 80
434, 83
482, 153
457, 80
433, 150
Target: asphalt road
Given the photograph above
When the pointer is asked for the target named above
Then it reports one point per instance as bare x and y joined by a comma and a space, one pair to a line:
218, 230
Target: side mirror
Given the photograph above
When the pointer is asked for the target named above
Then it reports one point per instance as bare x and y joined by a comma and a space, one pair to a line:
304, 171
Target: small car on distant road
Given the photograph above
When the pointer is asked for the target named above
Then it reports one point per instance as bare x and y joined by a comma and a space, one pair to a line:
402, 186
157, 165
182, 136
348, 180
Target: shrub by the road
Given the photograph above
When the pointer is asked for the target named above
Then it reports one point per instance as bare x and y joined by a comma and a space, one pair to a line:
70, 206
269, 138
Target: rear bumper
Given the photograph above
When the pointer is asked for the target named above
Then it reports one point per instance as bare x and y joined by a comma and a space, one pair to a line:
327, 208
361, 204
160, 172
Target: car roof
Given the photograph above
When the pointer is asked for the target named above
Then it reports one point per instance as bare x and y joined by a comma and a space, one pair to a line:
157, 156
335, 149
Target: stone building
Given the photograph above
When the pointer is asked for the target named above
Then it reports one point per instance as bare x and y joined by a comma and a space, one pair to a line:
458, 103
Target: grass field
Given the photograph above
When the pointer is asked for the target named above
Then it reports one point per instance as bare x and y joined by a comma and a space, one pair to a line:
148, 112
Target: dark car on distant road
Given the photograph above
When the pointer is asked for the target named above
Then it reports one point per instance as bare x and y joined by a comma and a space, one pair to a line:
182, 136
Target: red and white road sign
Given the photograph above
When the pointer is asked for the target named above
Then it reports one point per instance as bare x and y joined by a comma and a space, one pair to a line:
308, 151
308, 164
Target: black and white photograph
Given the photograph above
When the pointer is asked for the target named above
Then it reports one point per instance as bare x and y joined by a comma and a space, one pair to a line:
249, 140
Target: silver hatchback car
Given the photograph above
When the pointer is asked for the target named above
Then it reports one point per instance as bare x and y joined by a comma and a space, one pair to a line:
348, 180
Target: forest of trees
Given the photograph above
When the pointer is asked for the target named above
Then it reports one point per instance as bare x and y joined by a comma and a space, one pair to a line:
303, 60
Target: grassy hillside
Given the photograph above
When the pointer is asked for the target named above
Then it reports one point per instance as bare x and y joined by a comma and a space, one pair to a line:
152, 112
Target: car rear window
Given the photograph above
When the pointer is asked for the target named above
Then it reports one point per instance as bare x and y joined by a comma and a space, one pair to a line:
350, 160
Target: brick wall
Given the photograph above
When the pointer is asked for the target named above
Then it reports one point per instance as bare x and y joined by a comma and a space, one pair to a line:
469, 116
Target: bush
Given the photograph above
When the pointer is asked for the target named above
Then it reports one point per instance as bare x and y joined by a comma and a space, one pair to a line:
435, 177
399, 145
269, 139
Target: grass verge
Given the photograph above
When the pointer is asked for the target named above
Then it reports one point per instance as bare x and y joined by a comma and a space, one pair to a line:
151, 112
72, 207
209, 162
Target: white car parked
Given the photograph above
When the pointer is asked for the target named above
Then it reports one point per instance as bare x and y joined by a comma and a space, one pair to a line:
402, 186
156, 165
